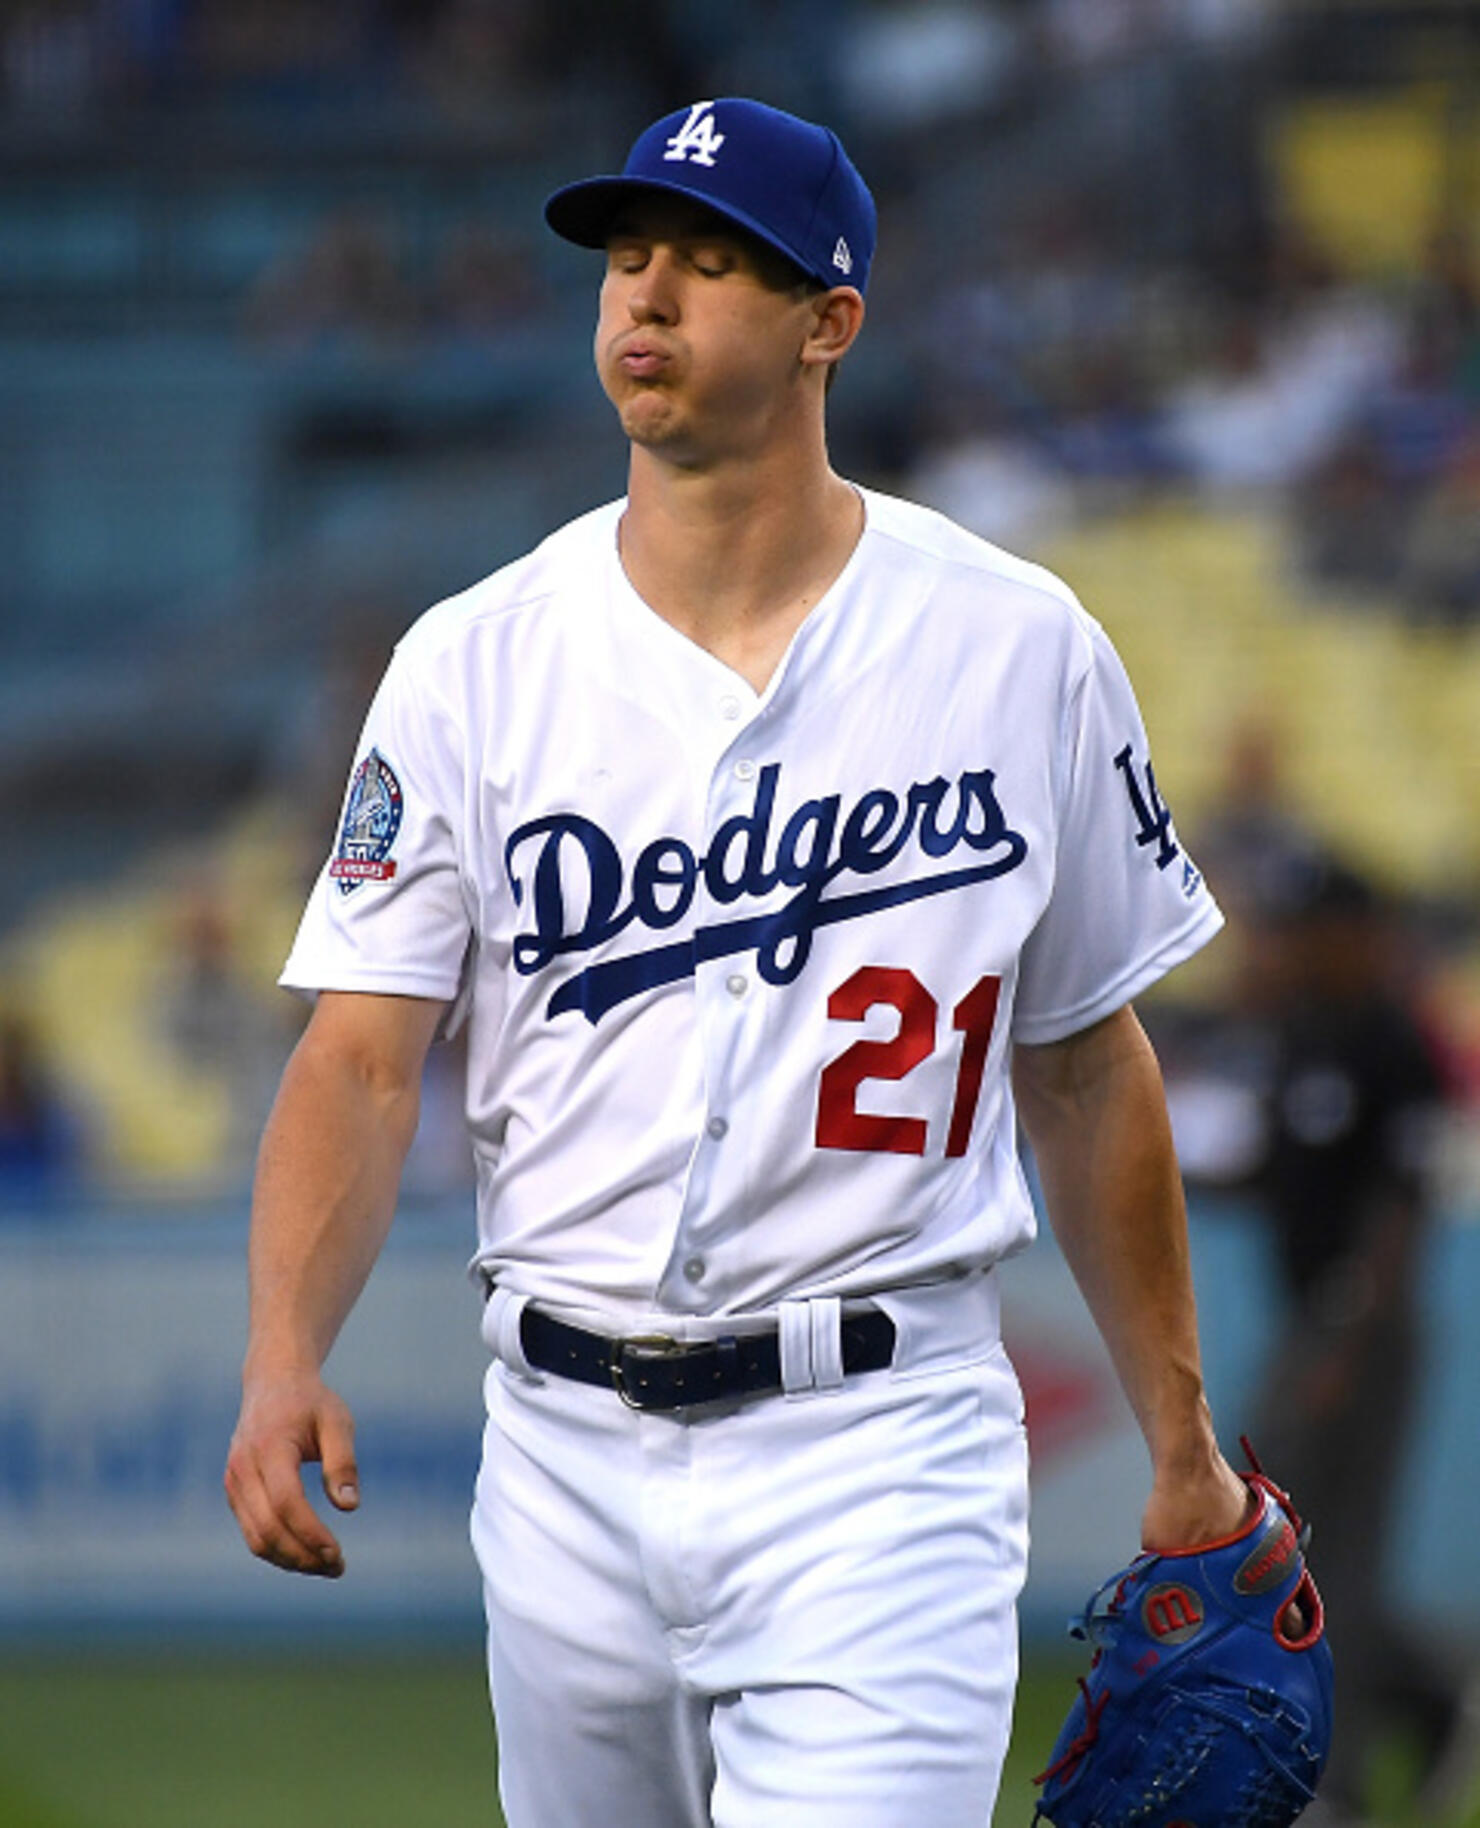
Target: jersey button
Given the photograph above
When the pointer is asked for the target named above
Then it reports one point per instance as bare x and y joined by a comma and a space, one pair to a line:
695, 1269
729, 707
717, 1128
736, 984
745, 771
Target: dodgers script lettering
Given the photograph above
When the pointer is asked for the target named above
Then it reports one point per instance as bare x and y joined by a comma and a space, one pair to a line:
818, 844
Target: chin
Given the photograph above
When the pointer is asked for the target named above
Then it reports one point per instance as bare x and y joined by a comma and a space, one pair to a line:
649, 421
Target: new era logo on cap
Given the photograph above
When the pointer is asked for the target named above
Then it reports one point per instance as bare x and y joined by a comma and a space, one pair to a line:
783, 179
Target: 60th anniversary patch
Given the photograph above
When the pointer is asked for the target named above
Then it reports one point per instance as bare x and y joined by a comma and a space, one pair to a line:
372, 817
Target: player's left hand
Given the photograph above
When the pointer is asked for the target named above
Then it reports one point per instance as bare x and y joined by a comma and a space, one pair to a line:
1187, 1509
1190, 1514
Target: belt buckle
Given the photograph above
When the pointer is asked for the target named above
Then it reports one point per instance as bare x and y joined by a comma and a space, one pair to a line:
639, 1346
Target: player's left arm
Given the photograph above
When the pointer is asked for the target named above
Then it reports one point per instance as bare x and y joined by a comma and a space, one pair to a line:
1095, 1112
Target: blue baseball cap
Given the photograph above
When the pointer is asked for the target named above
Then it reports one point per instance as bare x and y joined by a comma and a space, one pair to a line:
783, 179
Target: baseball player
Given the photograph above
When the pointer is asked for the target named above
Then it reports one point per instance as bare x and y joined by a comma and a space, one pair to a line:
778, 842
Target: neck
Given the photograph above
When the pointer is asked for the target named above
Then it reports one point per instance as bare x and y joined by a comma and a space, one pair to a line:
735, 556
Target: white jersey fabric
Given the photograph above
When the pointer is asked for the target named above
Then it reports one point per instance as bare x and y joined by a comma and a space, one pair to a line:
742, 970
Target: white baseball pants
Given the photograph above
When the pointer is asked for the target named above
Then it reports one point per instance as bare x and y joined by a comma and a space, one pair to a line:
794, 1612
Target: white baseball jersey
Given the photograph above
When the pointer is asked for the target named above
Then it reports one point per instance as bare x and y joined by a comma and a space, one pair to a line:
743, 970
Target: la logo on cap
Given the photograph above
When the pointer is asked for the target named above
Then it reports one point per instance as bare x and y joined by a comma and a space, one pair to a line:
698, 139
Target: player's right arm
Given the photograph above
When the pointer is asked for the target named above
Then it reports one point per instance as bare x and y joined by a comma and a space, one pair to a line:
325, 1192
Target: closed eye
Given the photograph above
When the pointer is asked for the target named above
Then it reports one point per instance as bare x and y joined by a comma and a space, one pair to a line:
708, 260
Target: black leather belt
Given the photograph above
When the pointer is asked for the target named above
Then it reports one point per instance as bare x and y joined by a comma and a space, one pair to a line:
654, 1372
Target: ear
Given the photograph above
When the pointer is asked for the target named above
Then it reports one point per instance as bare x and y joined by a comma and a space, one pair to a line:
837, 318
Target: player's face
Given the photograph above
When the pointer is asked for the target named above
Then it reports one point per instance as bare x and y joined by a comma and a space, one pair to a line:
700, 333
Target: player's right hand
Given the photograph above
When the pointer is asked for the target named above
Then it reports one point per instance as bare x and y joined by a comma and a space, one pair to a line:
286, 1421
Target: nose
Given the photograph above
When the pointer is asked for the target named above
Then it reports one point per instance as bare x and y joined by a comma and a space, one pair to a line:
653, 297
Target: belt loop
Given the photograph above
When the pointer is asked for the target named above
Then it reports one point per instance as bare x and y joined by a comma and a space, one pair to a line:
501, 1333
826, 1317
794, 1335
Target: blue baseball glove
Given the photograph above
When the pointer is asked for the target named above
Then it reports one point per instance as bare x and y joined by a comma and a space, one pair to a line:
1200, 1709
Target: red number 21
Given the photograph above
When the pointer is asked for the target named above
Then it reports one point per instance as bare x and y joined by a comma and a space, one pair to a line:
840, 1124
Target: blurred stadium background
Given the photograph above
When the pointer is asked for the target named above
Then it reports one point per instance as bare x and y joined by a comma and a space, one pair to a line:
1180, 296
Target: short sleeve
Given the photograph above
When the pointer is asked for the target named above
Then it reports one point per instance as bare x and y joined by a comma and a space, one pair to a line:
388, 911
1127, 902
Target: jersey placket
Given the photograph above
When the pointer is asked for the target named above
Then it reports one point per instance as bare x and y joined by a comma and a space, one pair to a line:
729, 993
694, 1279
723, 724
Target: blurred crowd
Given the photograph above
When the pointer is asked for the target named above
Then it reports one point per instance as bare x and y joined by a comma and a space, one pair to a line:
1113, 299
1083, 375
350, 287
911, 60
1132, 309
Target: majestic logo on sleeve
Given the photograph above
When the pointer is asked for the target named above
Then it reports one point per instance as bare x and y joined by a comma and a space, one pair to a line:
569, 873
372, 817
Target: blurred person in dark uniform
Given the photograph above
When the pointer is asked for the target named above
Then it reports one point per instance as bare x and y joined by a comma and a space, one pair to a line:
40, 1138
1254, 837
1442, 562
1351, 1099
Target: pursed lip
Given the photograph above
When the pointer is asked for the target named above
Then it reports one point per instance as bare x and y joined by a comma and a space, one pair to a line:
642, 357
